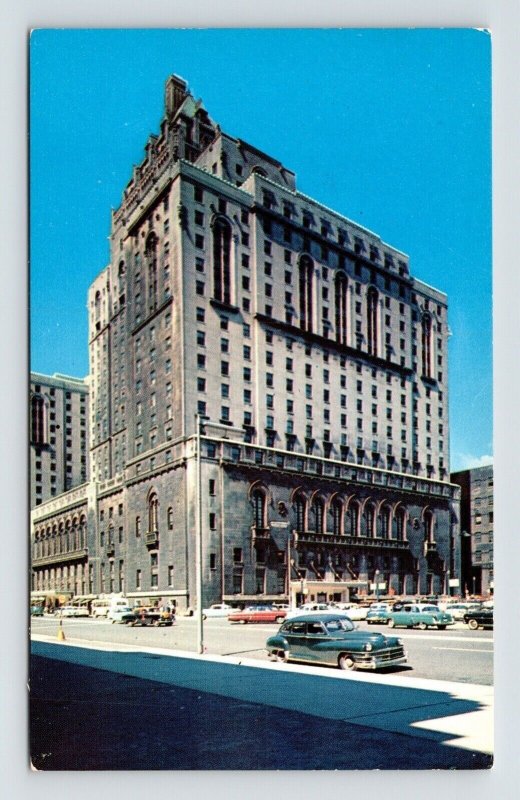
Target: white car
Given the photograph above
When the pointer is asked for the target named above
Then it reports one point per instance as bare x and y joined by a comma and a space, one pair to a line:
353, 611
123, 614
73, 611
314, 608
217, 610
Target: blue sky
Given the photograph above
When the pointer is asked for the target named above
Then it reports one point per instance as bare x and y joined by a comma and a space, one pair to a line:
389, 127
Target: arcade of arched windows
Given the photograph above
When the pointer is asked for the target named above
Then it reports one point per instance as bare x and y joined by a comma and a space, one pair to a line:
62, 538
353, 517
363, 518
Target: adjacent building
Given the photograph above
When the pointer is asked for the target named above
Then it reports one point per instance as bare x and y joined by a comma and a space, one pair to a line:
59, 444
476, 525
266, 369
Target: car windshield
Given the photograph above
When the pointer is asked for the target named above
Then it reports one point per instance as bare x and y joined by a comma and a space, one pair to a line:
334, 625
430, 608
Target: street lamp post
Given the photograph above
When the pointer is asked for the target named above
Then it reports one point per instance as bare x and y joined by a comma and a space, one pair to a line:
198, 542
376, 576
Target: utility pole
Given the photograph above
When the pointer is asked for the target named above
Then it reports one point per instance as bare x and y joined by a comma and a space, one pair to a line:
198, 542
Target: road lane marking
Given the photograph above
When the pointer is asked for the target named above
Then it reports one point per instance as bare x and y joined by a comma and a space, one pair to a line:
467, 649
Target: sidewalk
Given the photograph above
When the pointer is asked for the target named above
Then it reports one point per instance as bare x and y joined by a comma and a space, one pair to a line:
233, 711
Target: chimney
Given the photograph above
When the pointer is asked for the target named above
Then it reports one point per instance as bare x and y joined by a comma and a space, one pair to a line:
175, 93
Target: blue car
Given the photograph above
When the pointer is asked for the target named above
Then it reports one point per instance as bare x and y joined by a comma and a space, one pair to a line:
420, 616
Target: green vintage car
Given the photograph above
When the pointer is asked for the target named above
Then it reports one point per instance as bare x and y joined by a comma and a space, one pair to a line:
420, 616
333, 639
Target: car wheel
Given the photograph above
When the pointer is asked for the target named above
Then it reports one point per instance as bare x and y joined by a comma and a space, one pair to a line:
422, 626
346, 661
391, 623
204, 616
441, 627
279, 620
472, 624
242, 621
280, 655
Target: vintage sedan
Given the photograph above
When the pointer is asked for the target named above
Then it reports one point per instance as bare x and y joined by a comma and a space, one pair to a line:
258, 614
217, 610
354, 611
420, 616
333, 639
378, 614
313, 608
73, 611
479, 618
150, 615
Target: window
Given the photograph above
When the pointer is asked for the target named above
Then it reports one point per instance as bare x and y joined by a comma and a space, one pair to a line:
170, 518
306, 270
259, 508
137, 527
340, 290
426, 341
221, 260
372, 320
37, 420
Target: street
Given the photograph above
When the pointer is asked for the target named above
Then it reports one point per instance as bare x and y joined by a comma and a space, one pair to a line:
457, 654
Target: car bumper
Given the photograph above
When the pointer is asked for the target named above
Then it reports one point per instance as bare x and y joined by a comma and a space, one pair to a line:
378, 662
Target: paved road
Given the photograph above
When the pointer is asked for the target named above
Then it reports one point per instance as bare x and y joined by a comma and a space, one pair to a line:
457, 654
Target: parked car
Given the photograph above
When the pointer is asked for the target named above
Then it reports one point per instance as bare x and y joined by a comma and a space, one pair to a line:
123, 614
353, 611
259, 614
217, 610
378, 614
479, 618
332, 639
149, 615
73, 611
36, 611
312, 608
457, 610
419, 616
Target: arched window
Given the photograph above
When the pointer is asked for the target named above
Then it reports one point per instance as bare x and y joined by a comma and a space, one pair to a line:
372, 320
428, 527
259, 508
398, 525
153, 507
38, 435
300, 506
385, 515
150, 254
170, 518
306, 270
337, 509
368, 520
222, 260
427, 346
340, 286
318, 508
83, 532
353, 518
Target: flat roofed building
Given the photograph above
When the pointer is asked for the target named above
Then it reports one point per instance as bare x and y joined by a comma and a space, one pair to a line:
316, 360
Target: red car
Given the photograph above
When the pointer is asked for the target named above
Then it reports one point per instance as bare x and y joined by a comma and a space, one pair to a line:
258, 614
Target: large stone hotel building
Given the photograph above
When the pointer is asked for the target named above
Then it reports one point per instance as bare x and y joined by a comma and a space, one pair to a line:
317, 366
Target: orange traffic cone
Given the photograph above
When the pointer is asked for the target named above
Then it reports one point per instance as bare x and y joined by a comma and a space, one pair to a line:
61, 634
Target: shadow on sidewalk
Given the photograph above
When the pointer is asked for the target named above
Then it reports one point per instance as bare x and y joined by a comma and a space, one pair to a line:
94, 709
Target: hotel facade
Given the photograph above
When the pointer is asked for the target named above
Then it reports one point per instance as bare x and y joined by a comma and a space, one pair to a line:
264, 371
